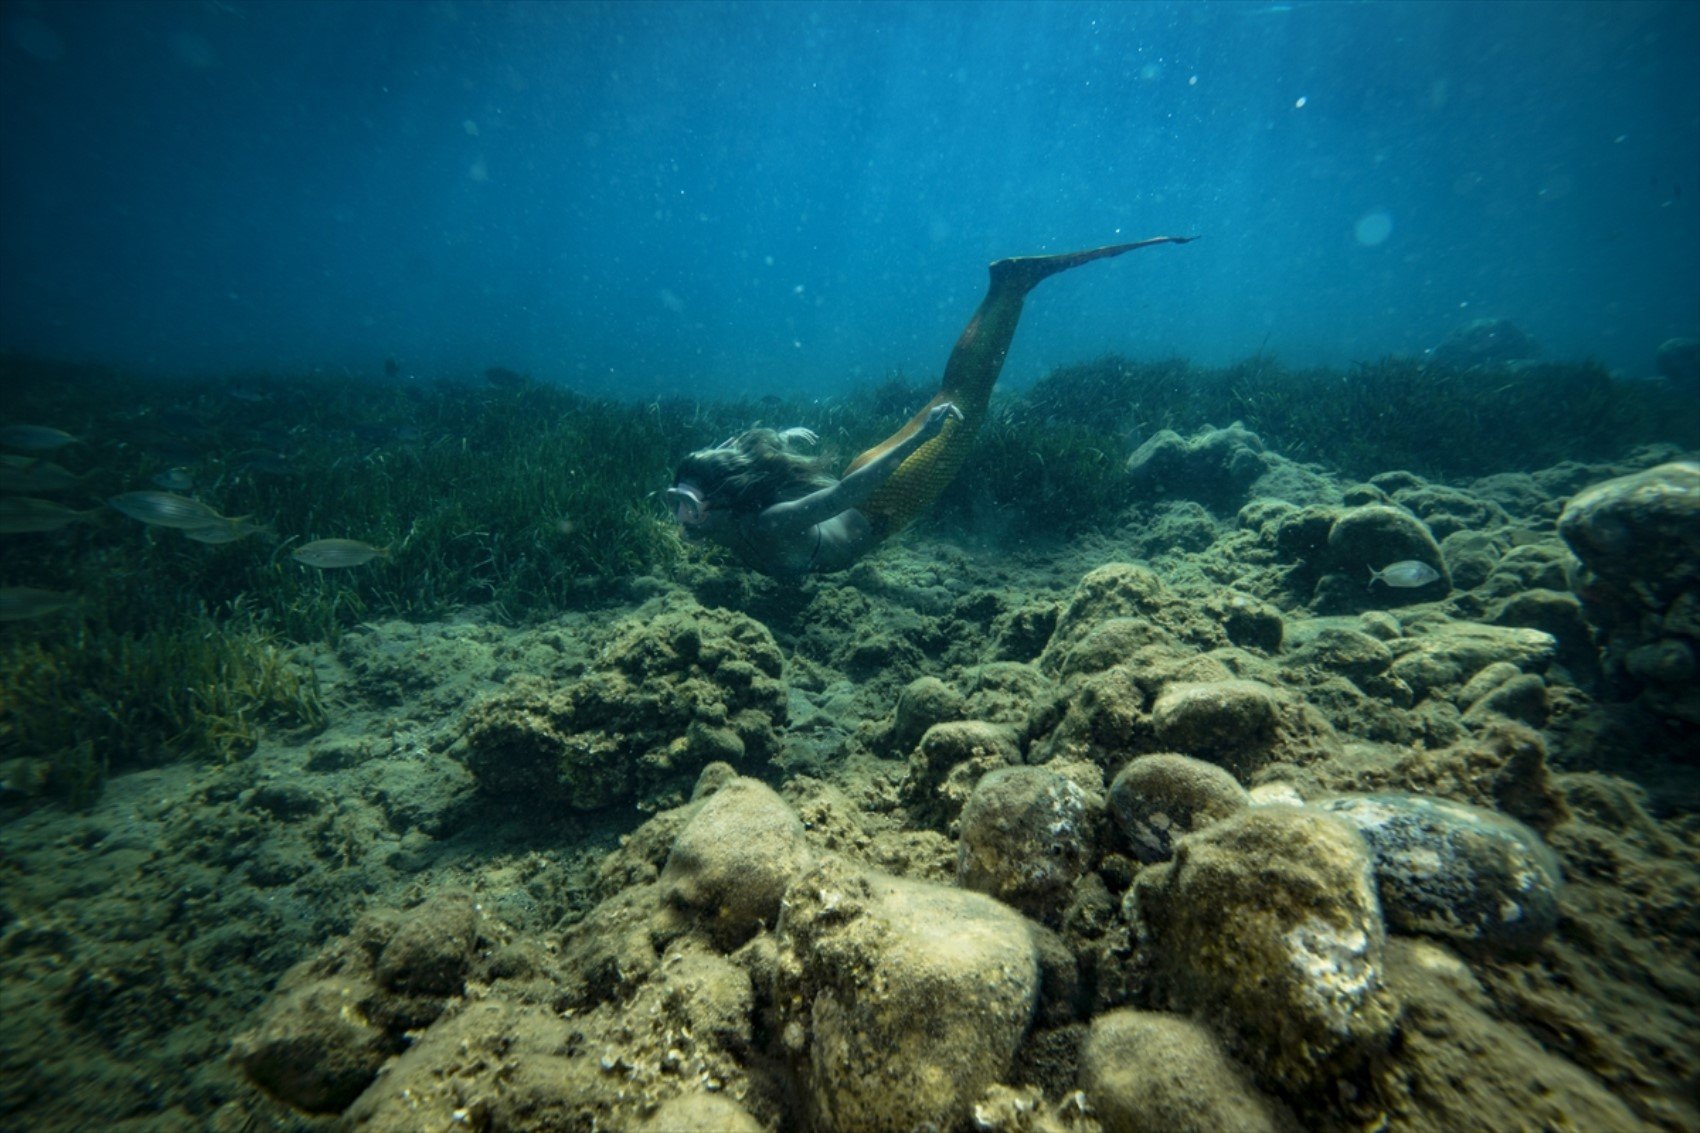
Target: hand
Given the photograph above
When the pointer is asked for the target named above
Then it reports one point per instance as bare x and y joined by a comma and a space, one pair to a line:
934, 423
796, 434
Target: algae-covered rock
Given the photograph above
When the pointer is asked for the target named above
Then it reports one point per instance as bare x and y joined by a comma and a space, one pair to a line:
1473, 876
1449, 654
1028, 834
314, 1048
1640, 529
1375, 537
923, 702
1147, 1070
1267, 927
677, 688
433, 948
899, 1002
1127, 591
1157, 798
1239, 724
949, 760
1463, 1066
1216, 467
1249, 622
732, 862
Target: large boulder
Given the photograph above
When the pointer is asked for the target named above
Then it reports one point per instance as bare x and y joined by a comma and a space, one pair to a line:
1148, 1070
1474, 877
898, 1001
1028, 834
1267, 927
731, 864
1157, 798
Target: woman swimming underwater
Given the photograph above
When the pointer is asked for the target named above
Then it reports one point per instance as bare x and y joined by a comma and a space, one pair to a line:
782, 515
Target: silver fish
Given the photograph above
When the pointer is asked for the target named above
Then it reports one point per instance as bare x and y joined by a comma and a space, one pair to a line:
28, 475
226, 531
26, 513
164, 509
329, 554
34, 438
174, 479
19, 603
1408, 574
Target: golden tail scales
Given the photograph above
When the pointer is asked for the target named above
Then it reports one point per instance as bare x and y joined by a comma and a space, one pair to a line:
968, 379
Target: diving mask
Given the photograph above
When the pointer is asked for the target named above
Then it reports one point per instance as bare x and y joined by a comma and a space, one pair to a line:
686, 503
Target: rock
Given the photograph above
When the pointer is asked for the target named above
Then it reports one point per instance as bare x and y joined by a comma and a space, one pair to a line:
1340, 649
1522, 698
1446, 511
1027, 836
1483, 342
314, 1048
1367, 538
1551, 611
1267, 926
677, 688
924, 702
898, 1001
1470, 557
949, 760
1146, 1070
1464, 1065
1224, 722
1109, 643
1124, 591
1214, 467
1484, 682
433, 949
1250, 623
1640, 530
733, 861
701, 1113
1452, 652
1158, 798
1678, 361
1669, 661
1473, 876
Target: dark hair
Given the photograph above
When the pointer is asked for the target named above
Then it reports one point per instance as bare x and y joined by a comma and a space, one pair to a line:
753, 471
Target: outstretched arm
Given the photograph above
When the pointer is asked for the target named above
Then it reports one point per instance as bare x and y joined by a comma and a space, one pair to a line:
816, 507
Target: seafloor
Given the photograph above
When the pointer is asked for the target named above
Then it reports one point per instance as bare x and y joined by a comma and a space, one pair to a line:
1114, 833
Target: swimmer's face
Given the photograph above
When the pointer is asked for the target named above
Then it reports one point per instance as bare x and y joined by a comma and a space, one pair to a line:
687, 503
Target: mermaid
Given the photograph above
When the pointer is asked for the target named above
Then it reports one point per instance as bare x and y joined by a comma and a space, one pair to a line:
781, 514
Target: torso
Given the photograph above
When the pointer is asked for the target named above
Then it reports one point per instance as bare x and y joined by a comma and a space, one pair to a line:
827, 546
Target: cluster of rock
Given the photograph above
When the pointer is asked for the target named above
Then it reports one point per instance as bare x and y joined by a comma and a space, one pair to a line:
677, 688
1192, 863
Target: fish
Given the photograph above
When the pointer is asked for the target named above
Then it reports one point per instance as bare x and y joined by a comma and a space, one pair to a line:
264, 461
228, 531
1407, 574
26, 513
174, 479
330, 554
34, 438
20, 603
165, 509
29, 475
503, 378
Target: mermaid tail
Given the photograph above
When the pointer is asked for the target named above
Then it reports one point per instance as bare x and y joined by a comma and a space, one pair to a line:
968, 380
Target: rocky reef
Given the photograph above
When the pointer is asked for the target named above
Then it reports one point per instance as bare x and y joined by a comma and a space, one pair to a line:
1191, 833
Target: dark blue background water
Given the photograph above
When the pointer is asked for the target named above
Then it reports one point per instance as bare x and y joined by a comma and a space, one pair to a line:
648, 197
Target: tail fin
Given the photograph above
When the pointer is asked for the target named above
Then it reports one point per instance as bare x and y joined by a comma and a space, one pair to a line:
1024, 273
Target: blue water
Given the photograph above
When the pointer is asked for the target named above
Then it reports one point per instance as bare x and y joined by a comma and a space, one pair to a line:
646, 198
